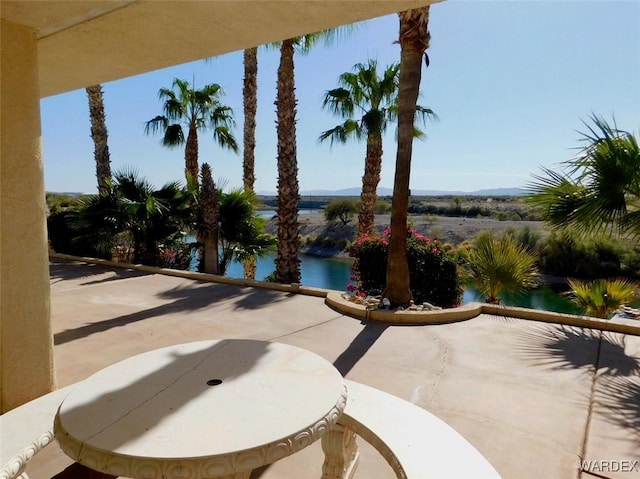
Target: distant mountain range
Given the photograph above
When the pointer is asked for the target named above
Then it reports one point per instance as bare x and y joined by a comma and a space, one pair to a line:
388, 192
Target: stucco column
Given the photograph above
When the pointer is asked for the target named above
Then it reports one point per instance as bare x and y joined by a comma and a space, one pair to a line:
26, 345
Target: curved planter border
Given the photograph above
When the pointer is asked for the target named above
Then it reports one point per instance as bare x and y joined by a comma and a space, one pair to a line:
335, 301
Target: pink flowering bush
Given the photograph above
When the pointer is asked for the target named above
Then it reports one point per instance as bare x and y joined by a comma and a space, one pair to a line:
433, 274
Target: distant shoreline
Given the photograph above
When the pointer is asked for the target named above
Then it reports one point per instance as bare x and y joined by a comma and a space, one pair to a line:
329, 237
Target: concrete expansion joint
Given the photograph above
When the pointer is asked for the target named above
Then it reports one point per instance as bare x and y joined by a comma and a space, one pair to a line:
592, 392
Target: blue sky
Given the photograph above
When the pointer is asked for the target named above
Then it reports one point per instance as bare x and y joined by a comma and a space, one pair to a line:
510, 81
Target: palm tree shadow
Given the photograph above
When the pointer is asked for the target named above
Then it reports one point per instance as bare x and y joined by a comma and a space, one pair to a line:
359, 347
568, 347
619, 403
63, 270
257, 298
196, 296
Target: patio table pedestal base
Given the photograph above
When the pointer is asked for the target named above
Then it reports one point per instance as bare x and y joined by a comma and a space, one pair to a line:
340, 453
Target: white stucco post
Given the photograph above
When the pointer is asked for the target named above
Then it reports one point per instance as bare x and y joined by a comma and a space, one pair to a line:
26, 345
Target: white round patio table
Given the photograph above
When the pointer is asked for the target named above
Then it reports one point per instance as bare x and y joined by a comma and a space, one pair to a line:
207, 409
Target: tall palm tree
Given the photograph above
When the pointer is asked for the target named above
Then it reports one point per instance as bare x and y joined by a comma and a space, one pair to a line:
250, 102
373, 100
185, 107
600, 187
414, 41
287, 262
99, 136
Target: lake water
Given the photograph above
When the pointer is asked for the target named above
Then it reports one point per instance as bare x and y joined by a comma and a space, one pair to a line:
334, 274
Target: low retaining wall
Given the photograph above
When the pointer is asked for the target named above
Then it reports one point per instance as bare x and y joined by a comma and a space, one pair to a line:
336, 301
212, 278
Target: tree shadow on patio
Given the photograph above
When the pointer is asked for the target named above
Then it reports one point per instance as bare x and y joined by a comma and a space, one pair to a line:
616, 374
359, 347
188, 298
618, 402
63, 270
566, 347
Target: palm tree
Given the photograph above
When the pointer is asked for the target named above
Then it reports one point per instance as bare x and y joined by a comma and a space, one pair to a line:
250, 102
372, 98
498, 265
99, 136
209, 234
602, 297
149, 216
152, 216
186, 107
414, 41
600, 188
287, 262
241, 231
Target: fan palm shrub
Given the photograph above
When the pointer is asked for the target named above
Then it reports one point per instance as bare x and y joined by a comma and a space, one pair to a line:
152, 220
497, 265
602, 297
241, 234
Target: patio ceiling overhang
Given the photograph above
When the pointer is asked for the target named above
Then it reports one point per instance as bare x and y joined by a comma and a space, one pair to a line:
82, 43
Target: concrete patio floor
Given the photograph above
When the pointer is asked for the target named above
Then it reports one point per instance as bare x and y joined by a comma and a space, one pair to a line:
534, 398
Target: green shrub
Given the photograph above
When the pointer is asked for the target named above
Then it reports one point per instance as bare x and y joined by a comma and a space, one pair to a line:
566, 253
382, 207
432, 273
65, 236
342, 210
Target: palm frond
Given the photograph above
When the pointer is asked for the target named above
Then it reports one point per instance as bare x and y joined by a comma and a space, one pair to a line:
423, 114
173, 136
225, 139
341, 133
155, 124
601, 187
339, 101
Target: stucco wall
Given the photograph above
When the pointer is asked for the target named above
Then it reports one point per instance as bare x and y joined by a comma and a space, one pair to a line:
26, 344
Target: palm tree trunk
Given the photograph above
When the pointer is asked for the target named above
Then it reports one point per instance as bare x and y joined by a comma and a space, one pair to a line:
287, 263
209, 202
414, 40
191, 156
99, 136
250, 97
370, 180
